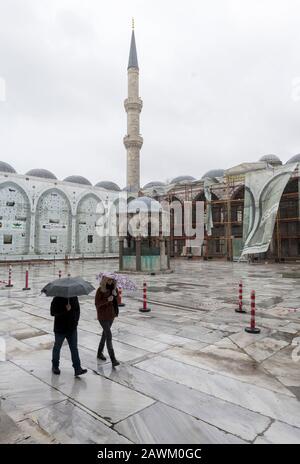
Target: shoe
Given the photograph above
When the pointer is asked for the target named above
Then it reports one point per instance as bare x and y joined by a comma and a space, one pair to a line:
80, 371
56, 370
113, 359
101, 356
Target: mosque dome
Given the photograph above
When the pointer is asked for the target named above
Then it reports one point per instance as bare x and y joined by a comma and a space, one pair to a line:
108, 185
213, 173
43, 173
294, 159
5, 167
154, 184
143, 204
77, 180
128, 189
271, 159
182, 179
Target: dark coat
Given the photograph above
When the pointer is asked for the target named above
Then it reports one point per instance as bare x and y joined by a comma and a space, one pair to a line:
106, 310
65, 321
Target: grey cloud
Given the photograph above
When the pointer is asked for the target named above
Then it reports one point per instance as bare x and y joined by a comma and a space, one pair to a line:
216, 80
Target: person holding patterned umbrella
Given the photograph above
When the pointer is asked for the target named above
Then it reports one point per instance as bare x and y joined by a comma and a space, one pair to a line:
106, 302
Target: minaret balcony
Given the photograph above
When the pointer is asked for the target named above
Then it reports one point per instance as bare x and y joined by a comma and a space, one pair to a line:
133, 141
133, 104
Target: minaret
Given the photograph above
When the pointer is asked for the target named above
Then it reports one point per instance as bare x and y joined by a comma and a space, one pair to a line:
133, 106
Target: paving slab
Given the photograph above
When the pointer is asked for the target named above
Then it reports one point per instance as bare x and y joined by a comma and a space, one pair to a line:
160, 423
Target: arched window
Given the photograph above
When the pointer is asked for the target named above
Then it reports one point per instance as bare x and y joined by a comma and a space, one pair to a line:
90, 225
14, 220
53, 223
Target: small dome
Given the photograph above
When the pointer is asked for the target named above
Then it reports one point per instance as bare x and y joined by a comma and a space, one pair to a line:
294, 159
5, 167
128, 189
77, 180
44, 173
108, 185
182, 179
271, 159
213, 173
143, 204
154, 184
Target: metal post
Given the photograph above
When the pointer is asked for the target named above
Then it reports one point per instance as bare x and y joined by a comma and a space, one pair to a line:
252, 329
145, 308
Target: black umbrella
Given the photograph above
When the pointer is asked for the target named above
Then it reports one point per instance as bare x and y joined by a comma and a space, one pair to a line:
68, 287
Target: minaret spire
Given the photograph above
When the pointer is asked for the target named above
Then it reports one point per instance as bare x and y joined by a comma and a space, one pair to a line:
133, 106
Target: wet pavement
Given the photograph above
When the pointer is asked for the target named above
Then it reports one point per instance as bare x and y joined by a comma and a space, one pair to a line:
189, 372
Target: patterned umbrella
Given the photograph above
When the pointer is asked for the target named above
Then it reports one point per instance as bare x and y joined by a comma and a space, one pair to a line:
121, 279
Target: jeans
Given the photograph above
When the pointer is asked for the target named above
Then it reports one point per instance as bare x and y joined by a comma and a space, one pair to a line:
106, 337
72, 341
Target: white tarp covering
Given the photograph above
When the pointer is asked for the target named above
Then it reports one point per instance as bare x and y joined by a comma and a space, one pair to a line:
263, 191
207, 193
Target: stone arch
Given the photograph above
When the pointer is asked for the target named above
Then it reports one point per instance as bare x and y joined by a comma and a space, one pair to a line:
286, 236
53, 223
238, 193
113, 219
15, 214
90, 217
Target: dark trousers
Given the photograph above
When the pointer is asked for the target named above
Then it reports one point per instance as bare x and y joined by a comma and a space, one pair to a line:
72, 341
106, 338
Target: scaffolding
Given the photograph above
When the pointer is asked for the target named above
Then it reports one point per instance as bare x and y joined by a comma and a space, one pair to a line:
227, 204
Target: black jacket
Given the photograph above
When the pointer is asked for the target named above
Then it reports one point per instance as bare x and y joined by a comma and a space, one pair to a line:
65, 321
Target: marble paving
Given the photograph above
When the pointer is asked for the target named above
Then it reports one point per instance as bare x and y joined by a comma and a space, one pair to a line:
189, 373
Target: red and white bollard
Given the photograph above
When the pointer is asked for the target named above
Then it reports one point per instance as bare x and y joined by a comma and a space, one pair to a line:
26, 280
9, 284
145, 308
240, 308
252, 328
59, 274
120, 303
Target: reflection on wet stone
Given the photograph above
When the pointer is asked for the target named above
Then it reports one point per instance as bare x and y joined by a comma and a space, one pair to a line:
189, 372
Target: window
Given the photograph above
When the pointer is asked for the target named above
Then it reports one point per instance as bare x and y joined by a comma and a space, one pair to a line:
90, 238
239, 215
53, 239
21, 218
53, 221
10, 203
7, 239
220, 246
222, 215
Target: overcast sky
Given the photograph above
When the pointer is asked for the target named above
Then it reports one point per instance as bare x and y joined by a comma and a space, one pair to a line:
218, 80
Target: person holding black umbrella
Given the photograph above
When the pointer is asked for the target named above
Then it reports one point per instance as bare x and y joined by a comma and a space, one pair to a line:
66, 311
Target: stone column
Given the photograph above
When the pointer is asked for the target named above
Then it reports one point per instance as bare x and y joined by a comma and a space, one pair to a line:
168, 253
32, 233
138, 254
73, 235
121, 253
162, 252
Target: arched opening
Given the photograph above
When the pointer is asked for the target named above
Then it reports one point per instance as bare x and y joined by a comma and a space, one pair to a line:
177, 239
90, 225
14, 220
286, 235
53, 223
237, 218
